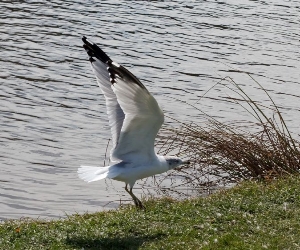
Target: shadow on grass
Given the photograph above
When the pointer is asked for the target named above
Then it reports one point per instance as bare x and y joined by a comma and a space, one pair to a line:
130, 242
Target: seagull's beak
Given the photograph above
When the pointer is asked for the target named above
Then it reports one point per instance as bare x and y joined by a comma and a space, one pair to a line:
186, 163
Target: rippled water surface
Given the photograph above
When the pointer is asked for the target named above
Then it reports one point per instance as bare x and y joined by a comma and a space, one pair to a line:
53, 116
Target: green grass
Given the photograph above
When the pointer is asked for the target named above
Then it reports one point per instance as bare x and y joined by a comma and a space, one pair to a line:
252, 215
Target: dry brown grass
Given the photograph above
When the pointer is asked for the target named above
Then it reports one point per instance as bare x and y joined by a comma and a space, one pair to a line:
223, 154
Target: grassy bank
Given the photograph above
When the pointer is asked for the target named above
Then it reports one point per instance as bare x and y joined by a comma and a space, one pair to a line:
253, 215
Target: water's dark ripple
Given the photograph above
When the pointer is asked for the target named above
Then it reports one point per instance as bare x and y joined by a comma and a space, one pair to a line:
52, 115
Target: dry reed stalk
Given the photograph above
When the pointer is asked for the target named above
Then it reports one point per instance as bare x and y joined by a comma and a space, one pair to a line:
222, 154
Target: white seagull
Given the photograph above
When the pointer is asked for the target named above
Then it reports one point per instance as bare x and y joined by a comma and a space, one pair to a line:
134, 119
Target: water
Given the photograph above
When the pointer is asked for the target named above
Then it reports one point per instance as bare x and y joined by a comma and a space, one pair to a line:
53, 114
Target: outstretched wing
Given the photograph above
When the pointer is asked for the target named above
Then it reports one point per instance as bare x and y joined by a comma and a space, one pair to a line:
143, 116
115, 113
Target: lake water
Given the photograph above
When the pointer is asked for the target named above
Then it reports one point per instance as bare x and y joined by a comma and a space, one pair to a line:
52, 113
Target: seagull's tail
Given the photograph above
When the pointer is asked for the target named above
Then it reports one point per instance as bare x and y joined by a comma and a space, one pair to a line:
89, 173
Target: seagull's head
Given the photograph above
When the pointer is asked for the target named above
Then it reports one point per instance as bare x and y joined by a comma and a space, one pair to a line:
174, 162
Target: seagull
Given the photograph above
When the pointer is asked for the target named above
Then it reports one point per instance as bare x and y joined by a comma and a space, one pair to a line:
134, 119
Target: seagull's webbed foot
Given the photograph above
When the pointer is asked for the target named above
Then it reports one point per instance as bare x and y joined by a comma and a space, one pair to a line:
136, 201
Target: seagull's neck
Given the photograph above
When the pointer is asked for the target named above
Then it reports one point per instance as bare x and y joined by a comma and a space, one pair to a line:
162, 163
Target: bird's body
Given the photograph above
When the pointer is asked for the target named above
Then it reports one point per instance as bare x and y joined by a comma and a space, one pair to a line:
134, 118
127, 172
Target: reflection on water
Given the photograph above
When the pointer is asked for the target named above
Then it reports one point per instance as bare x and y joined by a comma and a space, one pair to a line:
52, 112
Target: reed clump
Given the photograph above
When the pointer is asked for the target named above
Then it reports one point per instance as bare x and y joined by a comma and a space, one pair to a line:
224, 154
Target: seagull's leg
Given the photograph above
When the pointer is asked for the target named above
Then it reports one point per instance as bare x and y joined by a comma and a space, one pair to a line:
132, 196
137, 202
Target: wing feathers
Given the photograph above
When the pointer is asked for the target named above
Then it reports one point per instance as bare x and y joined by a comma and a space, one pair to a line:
99, 66
94, 51
134, 115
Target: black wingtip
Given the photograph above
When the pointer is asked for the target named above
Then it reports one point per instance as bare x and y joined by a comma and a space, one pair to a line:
94, 51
